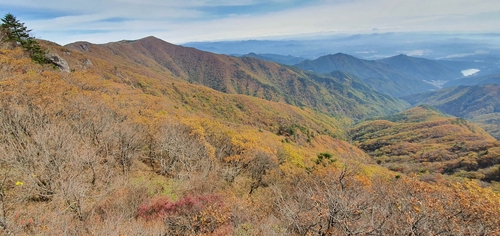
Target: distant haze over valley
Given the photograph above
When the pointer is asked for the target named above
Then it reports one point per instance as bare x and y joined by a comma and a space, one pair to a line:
455, 47
377, 134
282, 117
465, 51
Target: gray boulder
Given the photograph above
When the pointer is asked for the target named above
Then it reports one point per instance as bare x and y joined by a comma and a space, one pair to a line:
58, 61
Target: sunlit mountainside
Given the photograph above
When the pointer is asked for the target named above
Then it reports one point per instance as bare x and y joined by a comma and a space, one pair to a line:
422, 140
480, 104
144, 137
246, 76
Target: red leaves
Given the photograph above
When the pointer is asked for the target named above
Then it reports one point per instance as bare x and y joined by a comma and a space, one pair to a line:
195, 214
162, 207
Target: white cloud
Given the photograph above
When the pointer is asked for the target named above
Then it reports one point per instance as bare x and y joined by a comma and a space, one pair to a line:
365, 52
187, 20
419, 52
470, 72
461, 55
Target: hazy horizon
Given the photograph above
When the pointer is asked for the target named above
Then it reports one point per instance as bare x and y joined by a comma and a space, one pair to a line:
222, 20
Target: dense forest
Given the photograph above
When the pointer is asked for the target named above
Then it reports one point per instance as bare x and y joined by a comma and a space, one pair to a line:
108, 149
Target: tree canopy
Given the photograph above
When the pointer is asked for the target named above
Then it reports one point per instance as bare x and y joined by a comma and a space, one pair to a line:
17, 32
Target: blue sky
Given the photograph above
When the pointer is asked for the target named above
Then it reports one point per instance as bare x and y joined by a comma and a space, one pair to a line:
101, 21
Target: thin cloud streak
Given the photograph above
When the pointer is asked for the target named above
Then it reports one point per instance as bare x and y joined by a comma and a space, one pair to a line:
190, 20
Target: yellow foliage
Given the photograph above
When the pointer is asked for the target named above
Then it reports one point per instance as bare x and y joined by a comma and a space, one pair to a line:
293, 156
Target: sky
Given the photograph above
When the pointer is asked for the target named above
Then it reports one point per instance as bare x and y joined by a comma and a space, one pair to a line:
181, 21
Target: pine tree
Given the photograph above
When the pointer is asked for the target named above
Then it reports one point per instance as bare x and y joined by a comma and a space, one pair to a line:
17, 32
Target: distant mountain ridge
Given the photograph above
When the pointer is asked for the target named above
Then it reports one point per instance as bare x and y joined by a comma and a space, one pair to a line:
381, 76
422, 68
475, 80
247, 76
281, 59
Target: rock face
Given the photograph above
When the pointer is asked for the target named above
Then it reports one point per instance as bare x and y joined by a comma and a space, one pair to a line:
88, 62
58, 61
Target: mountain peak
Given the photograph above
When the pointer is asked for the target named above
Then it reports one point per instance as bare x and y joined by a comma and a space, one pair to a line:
151, 39
340, 54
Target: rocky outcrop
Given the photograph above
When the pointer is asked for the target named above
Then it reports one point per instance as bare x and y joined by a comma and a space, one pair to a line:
58, 61
88, 62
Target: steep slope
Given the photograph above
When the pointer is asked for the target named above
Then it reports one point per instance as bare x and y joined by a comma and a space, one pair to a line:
474, 80
379, 75
480, 104
87, 149
107, 149
422, 68
247, 76
421, 140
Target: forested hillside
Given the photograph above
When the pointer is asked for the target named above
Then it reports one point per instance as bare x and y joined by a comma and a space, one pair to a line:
115, 148
247, 76
479, 104
421, 140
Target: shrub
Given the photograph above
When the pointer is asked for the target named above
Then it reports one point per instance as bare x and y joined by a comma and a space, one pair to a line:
193, 214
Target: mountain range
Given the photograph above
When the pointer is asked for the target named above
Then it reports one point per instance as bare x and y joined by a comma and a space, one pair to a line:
144, 137
381, 76
467, 50
247, 76
285, 60
475, 80
423, 69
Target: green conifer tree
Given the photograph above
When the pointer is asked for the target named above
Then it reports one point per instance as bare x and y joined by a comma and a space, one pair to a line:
17, 32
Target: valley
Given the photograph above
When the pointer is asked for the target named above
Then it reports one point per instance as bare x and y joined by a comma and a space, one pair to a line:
146, 137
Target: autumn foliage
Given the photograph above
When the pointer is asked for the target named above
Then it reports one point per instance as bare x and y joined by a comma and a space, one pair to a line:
109, 150
192, 215
423, 141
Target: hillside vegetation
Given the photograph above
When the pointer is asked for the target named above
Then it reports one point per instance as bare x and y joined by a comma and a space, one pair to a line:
421, 140
479, 104
117, 148
247, 76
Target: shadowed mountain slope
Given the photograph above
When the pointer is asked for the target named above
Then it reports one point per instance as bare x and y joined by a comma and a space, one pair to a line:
475, 80
422, 68
380, 76
285, 60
